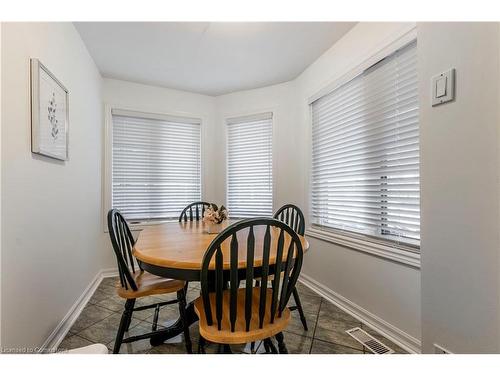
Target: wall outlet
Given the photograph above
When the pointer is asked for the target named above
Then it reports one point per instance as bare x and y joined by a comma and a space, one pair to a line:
438, 349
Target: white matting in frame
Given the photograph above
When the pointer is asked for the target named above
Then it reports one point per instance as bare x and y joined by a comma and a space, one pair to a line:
49, 113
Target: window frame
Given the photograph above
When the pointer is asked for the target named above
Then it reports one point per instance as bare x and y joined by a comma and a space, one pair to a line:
274, 119
108, 157
401, 253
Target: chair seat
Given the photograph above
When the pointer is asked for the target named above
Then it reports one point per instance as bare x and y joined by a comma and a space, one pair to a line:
148, 285
240, 336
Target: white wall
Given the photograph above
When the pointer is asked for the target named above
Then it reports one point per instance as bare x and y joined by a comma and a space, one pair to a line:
52, 235
460, 195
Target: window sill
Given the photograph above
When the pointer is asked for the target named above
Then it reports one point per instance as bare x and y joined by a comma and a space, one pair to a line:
135, 227
144, 224
392, 253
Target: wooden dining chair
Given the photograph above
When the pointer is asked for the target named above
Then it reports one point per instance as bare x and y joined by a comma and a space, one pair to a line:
233, 315
136, 283
294, 218
194, 211
292, 215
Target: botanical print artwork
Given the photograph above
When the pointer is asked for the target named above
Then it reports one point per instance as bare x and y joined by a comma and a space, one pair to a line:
49, 100
54, 131
52, 117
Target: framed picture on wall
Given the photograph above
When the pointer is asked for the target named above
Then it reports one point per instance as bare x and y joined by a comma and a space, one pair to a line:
49, 113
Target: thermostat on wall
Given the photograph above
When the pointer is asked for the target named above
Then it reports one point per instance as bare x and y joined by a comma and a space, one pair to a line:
443, 87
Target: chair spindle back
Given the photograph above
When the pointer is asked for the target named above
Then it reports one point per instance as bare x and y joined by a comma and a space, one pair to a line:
123, 242
286, 269
194, 211
293, 216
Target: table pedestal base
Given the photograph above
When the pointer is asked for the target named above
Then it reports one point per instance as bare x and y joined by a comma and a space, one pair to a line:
175, 329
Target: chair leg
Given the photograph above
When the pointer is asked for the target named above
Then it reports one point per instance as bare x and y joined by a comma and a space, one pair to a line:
181, 296
252, 347
201, 345
268, 344
155, 318
299, 308
130, 317
281, 343
224, 349
124, 322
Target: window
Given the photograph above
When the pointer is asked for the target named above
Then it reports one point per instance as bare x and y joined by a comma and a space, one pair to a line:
365, 153
156, 168
249, 166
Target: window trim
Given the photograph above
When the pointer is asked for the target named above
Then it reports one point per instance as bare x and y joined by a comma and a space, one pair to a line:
400, 253
231, 115
108, 156
395, 252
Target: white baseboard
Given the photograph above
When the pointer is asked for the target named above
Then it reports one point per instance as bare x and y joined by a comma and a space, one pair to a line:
51, 344
109, 272
399, 337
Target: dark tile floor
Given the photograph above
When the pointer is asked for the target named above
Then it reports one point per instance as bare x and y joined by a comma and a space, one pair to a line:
99, 321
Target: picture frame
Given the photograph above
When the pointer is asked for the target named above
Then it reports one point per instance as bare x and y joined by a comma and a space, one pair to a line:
49, 113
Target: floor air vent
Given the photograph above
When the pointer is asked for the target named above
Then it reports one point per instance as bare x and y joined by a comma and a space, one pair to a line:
369, 341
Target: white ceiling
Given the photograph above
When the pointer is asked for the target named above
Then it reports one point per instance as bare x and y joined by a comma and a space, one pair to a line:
208, 58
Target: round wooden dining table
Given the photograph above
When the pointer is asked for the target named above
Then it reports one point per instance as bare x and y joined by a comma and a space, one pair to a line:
176, 249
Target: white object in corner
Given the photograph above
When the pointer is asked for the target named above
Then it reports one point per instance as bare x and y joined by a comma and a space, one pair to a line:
89, 349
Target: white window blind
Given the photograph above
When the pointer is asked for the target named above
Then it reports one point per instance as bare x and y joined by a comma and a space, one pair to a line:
156, 164
365, 153
249, 166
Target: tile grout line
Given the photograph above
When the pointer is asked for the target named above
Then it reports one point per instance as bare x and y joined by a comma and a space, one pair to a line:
316, 324
342, 345
70, 334
83, 329
98, 321
362, 325
364, 352
325, 341
332, 342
